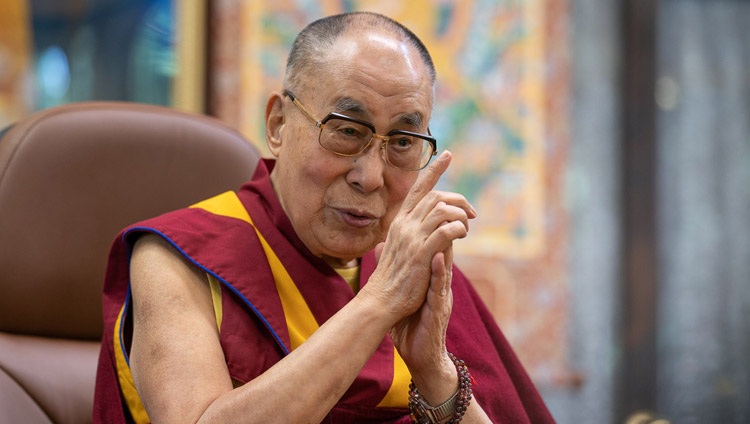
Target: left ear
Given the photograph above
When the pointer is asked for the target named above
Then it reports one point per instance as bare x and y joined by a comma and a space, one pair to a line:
274, 122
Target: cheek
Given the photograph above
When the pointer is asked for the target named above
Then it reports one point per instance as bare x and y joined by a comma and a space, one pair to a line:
312, 169
320, 173
317, 165
314, 182
399, 189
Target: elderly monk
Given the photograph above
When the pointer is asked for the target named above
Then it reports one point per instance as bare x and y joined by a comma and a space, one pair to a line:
323, 290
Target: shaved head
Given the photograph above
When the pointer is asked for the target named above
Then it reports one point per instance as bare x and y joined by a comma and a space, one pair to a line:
312, 48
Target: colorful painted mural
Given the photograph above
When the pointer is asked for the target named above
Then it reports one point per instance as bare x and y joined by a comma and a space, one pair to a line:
501, 109
15, 62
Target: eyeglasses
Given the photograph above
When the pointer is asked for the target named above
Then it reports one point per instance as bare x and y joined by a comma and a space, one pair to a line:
347, 136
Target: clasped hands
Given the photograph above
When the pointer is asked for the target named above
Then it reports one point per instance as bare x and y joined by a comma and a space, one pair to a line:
414, 271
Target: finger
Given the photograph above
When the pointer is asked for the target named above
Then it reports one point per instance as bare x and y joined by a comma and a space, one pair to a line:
440, 284
444, 236
448, 257
426, 180
439, 273
442, 214
435, 197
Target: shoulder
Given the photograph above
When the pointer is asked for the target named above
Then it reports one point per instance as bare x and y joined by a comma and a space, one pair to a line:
156, 265
151, 249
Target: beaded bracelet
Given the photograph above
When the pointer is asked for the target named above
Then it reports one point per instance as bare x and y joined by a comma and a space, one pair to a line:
455, 407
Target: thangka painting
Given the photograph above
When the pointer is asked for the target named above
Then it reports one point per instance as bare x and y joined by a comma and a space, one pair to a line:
501, 105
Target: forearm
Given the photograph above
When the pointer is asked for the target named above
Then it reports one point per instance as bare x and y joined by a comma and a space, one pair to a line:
306, 384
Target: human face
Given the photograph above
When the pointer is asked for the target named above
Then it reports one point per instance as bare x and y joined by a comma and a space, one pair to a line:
341, 207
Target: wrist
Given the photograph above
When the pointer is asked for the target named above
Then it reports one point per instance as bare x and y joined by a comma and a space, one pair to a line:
436, 381
452, 409
374, 309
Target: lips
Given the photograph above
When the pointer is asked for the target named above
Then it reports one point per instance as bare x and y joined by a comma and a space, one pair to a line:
356, 218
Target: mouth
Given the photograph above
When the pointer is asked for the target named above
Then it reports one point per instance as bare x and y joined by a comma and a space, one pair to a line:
356, 218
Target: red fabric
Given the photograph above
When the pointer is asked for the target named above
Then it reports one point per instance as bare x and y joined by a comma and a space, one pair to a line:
254, 326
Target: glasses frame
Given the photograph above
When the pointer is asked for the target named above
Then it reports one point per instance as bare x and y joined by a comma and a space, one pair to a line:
383, 138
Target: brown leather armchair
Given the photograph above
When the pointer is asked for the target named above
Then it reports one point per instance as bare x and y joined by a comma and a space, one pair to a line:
70, 178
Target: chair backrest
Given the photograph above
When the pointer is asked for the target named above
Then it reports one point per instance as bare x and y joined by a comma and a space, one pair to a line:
70, 178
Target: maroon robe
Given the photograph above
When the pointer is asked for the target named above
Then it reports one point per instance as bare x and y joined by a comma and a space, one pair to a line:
254, 332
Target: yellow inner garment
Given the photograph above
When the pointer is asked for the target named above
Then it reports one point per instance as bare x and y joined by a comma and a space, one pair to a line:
350, 275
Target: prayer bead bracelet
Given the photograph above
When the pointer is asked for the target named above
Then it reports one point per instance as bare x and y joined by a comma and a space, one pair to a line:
453, 408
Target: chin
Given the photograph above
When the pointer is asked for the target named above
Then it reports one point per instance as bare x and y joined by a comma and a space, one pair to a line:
349, 251
347, 243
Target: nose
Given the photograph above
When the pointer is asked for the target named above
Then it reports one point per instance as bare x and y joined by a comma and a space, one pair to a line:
368, 167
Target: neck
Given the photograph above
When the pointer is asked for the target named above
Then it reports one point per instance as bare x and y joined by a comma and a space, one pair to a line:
341, 263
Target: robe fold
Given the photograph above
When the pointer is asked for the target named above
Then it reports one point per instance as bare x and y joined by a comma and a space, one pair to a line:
270, 293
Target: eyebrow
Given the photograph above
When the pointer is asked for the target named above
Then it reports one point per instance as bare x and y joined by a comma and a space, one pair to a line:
347, 104
414, 119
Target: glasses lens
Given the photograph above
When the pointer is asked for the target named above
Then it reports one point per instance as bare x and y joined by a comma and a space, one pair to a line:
344, 137
409, 152
404, 150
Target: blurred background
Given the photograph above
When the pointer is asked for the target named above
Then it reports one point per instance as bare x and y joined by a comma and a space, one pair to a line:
605, 143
